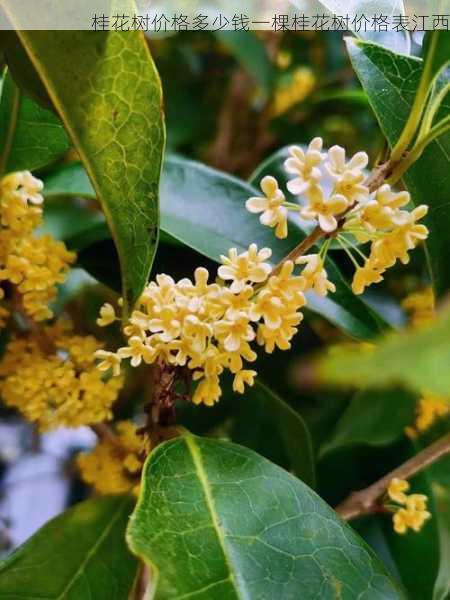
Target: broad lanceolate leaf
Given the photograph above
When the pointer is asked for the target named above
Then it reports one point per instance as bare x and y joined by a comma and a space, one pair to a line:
262, 421
391, 81
373, 418
237, 526
111, 107
205, 209
79, 554
31, 137
417, 359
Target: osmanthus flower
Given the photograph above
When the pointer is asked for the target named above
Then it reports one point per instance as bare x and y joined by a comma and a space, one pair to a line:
396, 490
114, 465
429, 409
323, 208
210, 327
348, 208
34, 265
61, 387
315, 275
272, 206
366, 275
107, 315
420, 306
410, 510
244, 268
336, 163
304, 164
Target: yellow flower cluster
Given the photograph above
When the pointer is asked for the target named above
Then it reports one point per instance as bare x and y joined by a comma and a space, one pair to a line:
413, 511
57, 387
350, 208
34, 264
293, 91
209, 327
420, 306
115, 464
430, 408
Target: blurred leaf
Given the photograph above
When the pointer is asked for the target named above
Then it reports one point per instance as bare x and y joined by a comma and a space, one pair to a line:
205, 209
237, 526
390, 81
111, 107
373, 418
31, 137
260, 420
79, 554
353, 97
415, 358
398, 41
251, 53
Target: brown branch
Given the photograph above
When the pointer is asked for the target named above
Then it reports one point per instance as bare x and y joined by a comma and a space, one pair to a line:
366, 501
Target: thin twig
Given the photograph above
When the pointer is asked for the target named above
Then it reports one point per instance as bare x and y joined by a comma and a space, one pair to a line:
365, 501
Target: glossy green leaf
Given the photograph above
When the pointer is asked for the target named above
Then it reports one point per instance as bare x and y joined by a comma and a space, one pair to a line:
22, 70
80, 554
237, 526
251, 53
390, 81
415, 358
31, 137
205, 210
111, 108
373, 418
260, 420
399, 41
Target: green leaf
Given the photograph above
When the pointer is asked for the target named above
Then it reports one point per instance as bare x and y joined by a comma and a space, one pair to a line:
22, 70
79, 554
31, 137
205, 210
251, 52
237, 526
373, 418
262, 421
391, 81
111, 108
399, 41
415, 358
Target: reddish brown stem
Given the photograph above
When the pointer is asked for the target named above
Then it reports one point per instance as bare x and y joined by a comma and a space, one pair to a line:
366, 501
